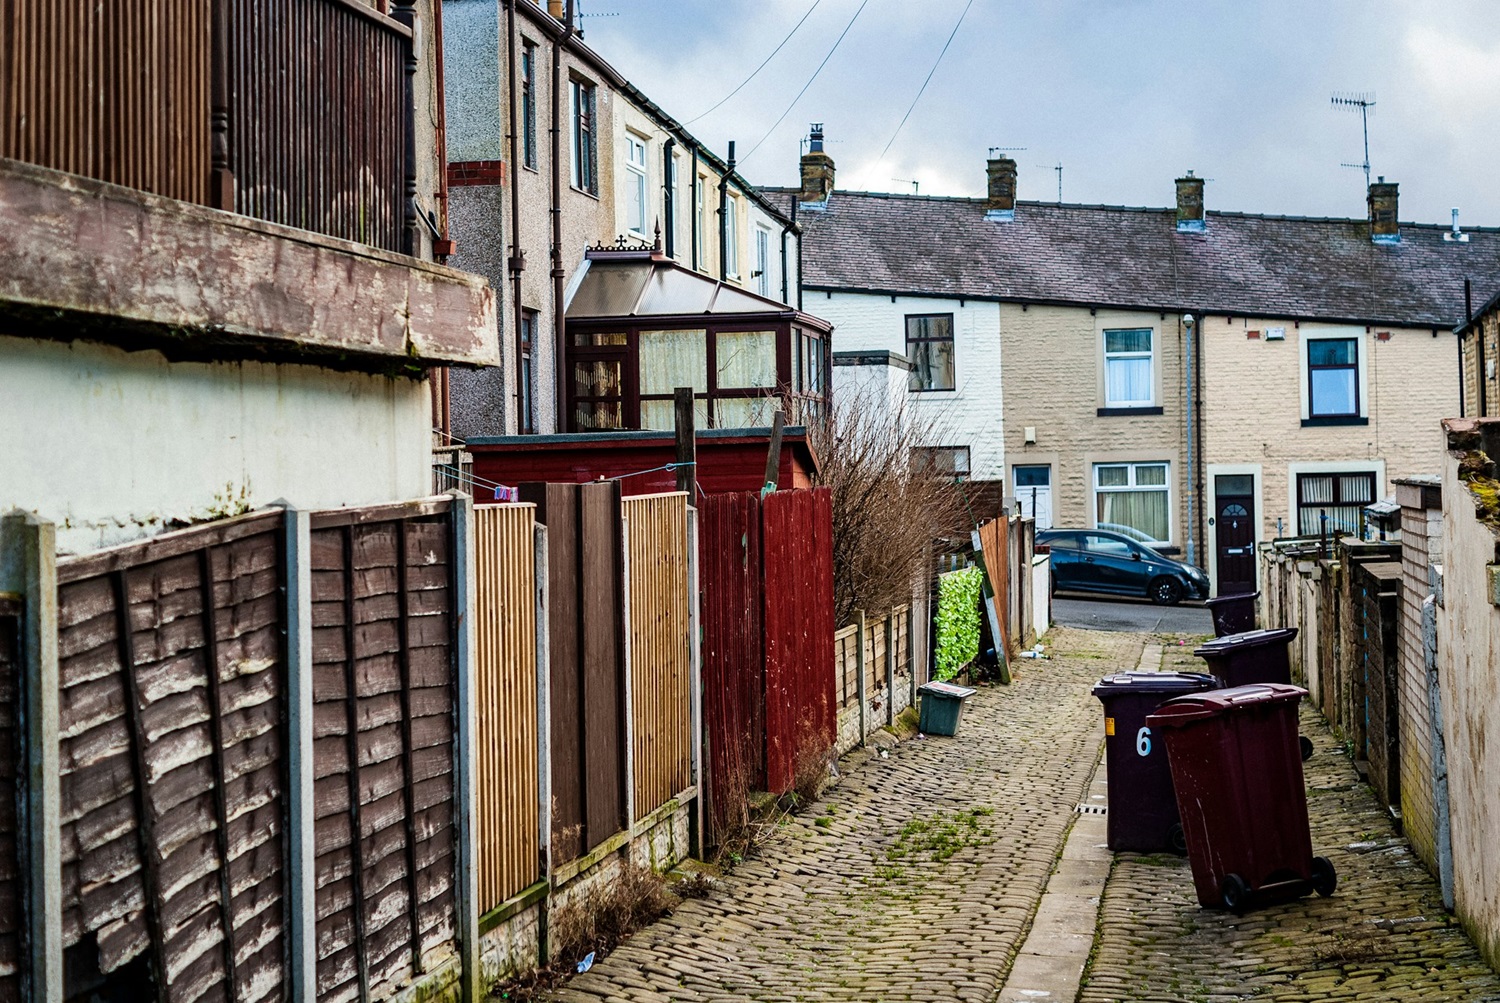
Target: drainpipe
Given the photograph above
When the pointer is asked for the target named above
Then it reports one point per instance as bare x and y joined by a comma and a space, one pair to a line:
517, 259
785, 285
668, 199
693, 210
1197, 417
1191, 325
799, 259
559, 320
723, 218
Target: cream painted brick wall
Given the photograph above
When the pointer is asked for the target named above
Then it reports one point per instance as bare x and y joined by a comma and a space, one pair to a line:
973, 414
1253, 406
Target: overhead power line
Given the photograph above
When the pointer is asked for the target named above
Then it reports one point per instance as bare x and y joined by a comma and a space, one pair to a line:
762, 66
810, 80
921, 90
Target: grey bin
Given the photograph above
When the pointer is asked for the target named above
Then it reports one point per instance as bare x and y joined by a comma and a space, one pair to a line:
942, 707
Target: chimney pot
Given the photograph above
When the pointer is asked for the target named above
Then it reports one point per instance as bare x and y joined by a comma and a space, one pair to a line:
817, 171
1000, 201
1382, 200
555, 8
1190, 218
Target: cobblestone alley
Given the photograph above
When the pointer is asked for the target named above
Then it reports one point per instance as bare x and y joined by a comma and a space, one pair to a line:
917, 876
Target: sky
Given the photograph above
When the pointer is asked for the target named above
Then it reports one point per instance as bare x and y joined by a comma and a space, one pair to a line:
1126, 94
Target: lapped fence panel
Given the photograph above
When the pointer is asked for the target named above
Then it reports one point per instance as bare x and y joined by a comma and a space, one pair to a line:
505, 615
660, 648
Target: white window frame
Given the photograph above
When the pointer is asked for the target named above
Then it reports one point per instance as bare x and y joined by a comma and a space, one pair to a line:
1362, 356
1150, 356
636, 177
1131, 465
1295, 470
697, 236
731, 236
763, 261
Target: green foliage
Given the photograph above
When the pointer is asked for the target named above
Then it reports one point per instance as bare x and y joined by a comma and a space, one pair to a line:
958, 620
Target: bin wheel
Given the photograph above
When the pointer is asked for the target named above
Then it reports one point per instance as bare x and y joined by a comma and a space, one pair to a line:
1307, 747
1177, 838
1324, 878
1235, 893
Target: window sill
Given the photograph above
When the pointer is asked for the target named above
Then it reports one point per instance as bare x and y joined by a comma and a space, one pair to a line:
585, 191
1331, 421
931, 390
1118, 412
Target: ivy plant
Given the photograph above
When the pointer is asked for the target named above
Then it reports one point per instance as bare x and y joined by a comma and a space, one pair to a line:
958, 620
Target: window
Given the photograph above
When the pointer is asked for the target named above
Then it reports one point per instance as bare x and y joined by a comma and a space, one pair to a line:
585, 161
528, 105
1128, 377
948, 462
526, 411
1332, 378
731, 236
1341, 497
698, 256
929, 346
1107, 546
763, 261
636, 202
1133, 499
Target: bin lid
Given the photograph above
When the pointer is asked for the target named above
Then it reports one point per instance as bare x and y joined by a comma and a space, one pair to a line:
1155, 682
1229, 643
1196, 707
1236, 597
947, 690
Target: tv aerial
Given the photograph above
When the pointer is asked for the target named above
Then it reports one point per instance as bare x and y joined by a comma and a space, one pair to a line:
1364, 103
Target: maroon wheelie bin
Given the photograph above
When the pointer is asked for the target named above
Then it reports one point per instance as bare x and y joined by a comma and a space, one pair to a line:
1142, 809
1233, 614
1253, 656
1238, 776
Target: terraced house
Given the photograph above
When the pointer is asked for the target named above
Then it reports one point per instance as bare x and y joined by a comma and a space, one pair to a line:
1198, 380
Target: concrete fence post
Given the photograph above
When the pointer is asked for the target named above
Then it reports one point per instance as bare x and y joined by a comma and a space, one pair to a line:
859, 683
466, 763
28, 571
890, 671
301, 843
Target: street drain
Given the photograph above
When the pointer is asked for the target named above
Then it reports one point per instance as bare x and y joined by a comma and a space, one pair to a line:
1092, 809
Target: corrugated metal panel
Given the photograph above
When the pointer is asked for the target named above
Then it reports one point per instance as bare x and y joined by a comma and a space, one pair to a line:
172, 666
116, 90
800, 698
12, 887
505, 618
383, 734
660, 652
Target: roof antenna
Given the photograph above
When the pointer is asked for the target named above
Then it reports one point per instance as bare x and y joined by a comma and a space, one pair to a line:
916, 186
1058, 168
1365, 103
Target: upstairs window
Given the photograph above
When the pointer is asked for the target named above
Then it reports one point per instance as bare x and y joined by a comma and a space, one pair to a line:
528, 105
732, 236
698, 256
585, 154
951, 463
929, 346
1129, 363
636, 201
526, 412
763, 261
1333, 378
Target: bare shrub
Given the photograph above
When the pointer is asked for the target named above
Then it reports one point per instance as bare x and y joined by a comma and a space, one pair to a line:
810, 765
887, 508
609, 911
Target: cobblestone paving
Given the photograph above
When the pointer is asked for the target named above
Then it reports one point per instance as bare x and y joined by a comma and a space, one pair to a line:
1383, 936
914, 878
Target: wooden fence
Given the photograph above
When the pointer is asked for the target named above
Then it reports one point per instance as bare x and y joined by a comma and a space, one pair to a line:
885, 638
509, 789
294, 111
660, 648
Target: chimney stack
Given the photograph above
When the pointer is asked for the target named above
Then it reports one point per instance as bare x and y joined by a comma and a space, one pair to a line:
817, 171
1382, 201
1190, 217
1000, 203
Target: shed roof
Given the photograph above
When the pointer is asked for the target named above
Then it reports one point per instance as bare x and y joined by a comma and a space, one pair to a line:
646, 284
1093, 255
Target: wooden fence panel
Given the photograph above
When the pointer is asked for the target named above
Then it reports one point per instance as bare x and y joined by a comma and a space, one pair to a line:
660, 648
729, 551
383, 733
800, 698
846, 655
586, 654
505, 619
12, 877
172, 668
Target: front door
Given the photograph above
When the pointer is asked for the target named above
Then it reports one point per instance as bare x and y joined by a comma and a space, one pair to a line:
1234, 533
1034, 494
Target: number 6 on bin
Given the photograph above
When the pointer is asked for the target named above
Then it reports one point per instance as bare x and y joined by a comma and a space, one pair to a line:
1143, 742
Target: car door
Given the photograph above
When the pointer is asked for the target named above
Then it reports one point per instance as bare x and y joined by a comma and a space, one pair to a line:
1112, 565
1067, 560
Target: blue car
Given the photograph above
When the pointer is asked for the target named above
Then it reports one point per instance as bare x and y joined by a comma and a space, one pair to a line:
1101, 560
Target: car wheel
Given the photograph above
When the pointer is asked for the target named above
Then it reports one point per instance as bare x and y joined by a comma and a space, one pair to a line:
1165, 591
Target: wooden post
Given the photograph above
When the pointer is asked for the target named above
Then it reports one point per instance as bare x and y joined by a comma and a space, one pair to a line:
687, 441
405, 12
466, 763
627, 699
301, 845
773, 455
543, 733
859, 681
28, 569
221, 171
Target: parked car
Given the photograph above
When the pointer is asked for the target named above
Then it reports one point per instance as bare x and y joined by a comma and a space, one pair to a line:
1101, 560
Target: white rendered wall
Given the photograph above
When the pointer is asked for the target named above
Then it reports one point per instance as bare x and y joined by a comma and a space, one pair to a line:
970, 415
113, 445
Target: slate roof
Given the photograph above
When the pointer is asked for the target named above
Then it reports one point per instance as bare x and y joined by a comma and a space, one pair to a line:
1263, 266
